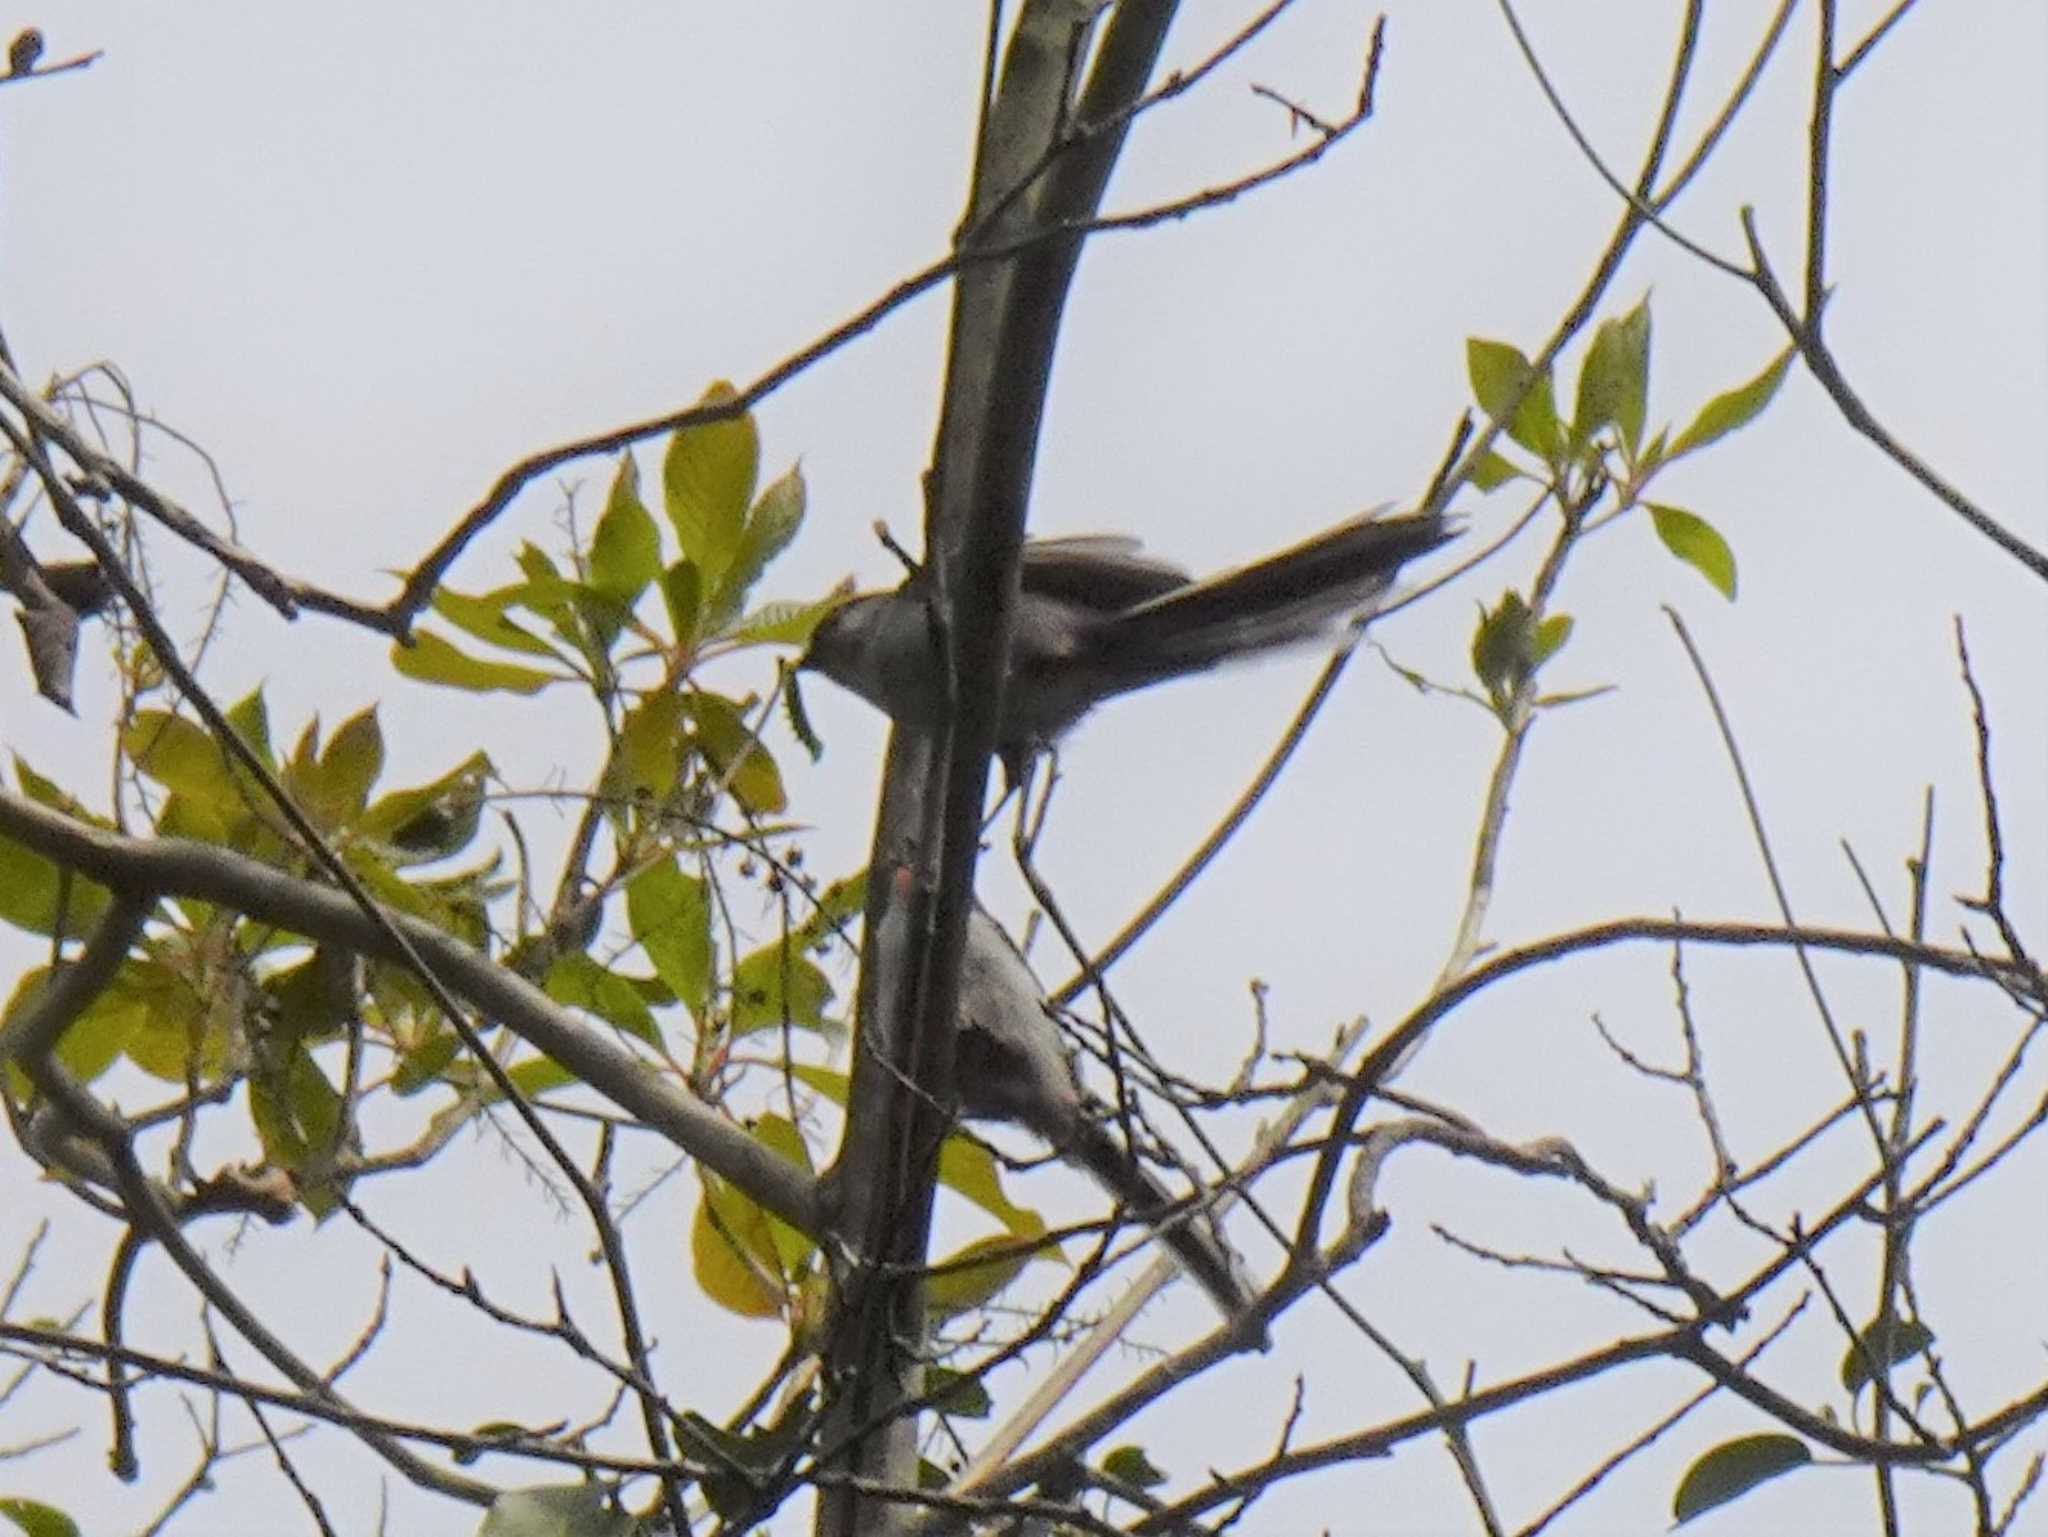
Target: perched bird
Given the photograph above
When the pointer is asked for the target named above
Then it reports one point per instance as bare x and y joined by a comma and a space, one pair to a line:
1096, 617
23, 52
1011, 1064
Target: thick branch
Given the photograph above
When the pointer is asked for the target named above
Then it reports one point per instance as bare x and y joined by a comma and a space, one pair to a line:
180, 867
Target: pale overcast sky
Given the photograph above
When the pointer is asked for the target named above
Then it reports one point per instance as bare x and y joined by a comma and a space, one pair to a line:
370, 255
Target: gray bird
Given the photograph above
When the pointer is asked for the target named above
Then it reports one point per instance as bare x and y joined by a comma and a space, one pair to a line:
1096, 617
1011, 1064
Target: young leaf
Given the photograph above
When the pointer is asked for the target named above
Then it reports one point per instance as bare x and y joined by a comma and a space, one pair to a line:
1549, 639
1614, 382
1501, 375
1699, 544
625, 549
776, 516
432, 658
1733, 1469
1724, 413
484, 617
707, 483
782, 623
670, 917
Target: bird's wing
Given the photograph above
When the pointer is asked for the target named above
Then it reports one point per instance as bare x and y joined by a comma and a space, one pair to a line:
1104, 573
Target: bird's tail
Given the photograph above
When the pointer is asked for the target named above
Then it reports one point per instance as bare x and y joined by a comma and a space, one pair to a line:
1294, 596
1188, 1233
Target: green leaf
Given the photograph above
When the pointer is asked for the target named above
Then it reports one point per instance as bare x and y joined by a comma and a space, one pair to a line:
298, 1120
969, 1168
1130, 1465
1880, 1347
186, 1025
776, 516
828, 1081
964, 1280
1699, 544
745, 1259
1724, 413
250, 721
735, 754
562, 1510
625, 550
792, 1245
582, 982
536, 1075
1502, 644
777, 986
682, 590
94, 1040
183, 757
670, 917
797, 717
786, 622
47, 792
1614, 382
432, 658
339, 786
38, 896
1549, 639
833, 908
648, 758
1492, 471
37, 1519
426, 1062
707, 482
431, 821
957, 1394
1733, 1469
484, 617
1500, 376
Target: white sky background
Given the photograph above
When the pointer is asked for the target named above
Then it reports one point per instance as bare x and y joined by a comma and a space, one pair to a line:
369, 256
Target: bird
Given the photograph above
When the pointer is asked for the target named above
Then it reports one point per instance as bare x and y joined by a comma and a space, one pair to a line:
23, 52
1097, 617
1011, 1065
